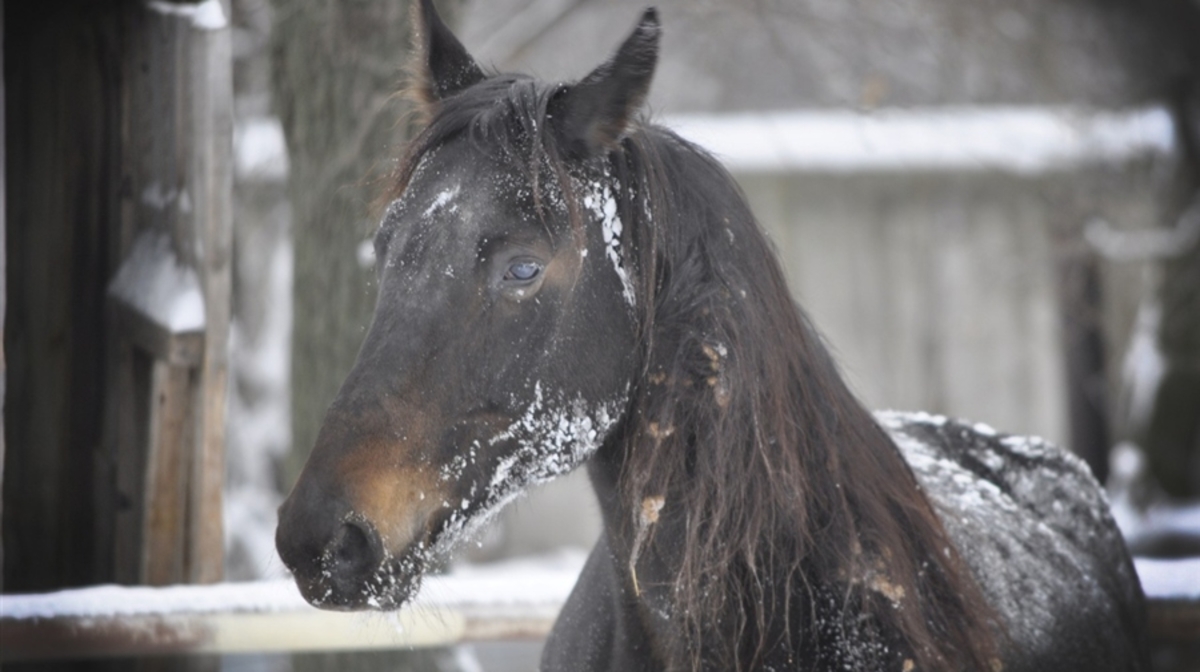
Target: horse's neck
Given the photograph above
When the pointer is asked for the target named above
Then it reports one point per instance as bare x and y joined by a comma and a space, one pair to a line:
644, 577
631, 526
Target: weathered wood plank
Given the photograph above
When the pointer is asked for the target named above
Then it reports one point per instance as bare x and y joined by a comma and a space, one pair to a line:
211, 99
62, 116
164, 532
183, 349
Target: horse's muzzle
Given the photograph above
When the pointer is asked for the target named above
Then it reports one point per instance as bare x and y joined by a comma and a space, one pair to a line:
340, 566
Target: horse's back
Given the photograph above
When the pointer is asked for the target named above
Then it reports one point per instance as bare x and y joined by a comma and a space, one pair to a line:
1035, 528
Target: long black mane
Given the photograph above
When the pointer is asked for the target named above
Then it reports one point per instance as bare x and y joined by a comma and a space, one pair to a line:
786, 495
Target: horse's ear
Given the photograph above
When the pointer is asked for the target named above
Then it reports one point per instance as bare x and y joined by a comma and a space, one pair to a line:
443, 67
593, 115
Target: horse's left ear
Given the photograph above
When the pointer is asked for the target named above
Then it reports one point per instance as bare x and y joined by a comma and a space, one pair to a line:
443, 66
593, 115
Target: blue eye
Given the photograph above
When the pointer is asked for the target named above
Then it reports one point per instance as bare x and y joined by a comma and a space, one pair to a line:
523, 271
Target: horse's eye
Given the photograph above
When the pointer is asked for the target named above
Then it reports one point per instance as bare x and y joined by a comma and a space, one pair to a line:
523, 271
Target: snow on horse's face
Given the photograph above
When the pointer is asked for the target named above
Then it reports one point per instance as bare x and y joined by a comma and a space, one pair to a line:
499, 356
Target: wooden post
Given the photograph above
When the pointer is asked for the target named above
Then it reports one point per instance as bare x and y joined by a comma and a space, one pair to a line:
64, 100
211, 101
169, 404
3, 291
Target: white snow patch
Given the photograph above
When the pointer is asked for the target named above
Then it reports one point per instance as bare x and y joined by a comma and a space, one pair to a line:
259, 150
552, 440
1144, 365
1022, 140
156, 283
156, 196
207, 15
1178, 579
365, 254
599, 199
896, 419
444, 197
984, 429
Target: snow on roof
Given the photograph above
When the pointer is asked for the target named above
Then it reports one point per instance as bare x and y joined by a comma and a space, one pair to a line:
1021, 140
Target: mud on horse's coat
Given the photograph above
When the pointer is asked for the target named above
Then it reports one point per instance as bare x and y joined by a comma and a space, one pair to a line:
561, 283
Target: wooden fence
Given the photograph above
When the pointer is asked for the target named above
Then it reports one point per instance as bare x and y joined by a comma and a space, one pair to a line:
510, 601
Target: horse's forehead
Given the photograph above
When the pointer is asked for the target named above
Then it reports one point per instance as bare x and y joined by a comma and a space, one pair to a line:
467, 184
440, 177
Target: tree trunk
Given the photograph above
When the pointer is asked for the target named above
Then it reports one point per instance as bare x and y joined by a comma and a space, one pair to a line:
337, 67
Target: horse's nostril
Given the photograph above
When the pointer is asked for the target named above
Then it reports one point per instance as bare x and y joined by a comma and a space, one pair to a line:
355, 550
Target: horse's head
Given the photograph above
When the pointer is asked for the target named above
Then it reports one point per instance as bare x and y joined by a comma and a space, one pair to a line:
503, 341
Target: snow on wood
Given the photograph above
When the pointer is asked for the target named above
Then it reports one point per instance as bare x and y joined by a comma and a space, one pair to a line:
511, 600
1021, 140
156, 283
207, 15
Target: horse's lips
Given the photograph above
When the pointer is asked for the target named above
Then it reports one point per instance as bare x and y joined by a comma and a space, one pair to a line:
394, 583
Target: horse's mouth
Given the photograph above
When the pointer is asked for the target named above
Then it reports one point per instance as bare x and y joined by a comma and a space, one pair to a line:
385, 585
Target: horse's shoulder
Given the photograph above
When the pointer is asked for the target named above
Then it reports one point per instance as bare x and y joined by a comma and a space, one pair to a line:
1035, 528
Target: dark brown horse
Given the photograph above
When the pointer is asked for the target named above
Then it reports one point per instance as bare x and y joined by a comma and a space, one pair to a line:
561, 284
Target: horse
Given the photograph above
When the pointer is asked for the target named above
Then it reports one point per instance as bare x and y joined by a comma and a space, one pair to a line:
564, 283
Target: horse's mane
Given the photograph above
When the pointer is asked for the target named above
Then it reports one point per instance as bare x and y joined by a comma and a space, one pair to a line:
785, 483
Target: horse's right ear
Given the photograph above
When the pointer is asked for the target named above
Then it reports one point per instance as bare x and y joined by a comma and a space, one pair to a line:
593, 115
442, 67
